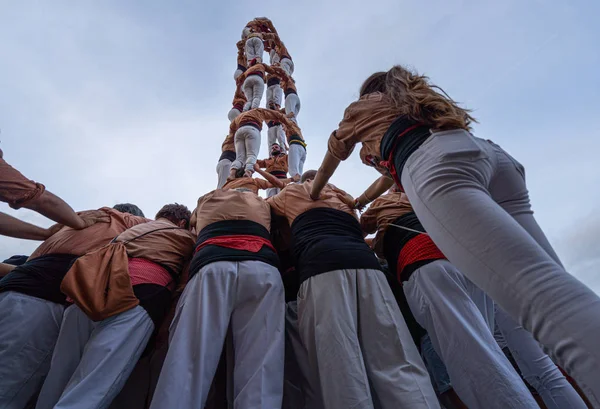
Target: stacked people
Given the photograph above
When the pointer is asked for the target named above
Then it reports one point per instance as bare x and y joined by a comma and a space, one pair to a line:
287, 293
242, 144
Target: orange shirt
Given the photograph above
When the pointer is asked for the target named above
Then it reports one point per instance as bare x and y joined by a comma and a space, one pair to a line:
383, 211
294, 199
230, 204
253, 184
365, 121
170, 247
16, 189
228, 143
274, 163
253, 115
79, 242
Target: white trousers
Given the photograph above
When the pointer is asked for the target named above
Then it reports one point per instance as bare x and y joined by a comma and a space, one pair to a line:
274, 95
253, 88
360, 352
297, 393
273, 57
92, 360
536, 367
472, 199
223, 168
250, 295
287, 65
296, 159
292, 104
275, 134
237, 73
247, 146
448, 305
232, 114
28, 330
254, 48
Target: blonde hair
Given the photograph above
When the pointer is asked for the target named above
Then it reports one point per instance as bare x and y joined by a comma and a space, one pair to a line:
414, 96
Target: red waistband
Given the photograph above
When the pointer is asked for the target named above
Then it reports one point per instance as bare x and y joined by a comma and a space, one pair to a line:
389, 163
252, 124
239, 107
245, 242
419, 248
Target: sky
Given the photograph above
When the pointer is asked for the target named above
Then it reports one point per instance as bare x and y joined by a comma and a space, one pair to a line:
112, 101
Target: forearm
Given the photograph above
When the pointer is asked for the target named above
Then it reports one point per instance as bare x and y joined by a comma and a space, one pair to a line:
54, 208
12, 227
271, 179
5, 269
377, 188
327, 169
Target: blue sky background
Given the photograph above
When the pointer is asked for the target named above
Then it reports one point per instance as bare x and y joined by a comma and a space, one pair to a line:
113, 101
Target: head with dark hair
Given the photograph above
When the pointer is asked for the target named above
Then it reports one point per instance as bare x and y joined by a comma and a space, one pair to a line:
129, 208
276, 150
308, 175
239, 173
176, 213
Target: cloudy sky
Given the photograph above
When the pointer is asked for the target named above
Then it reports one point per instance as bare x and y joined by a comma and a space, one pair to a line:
113, 101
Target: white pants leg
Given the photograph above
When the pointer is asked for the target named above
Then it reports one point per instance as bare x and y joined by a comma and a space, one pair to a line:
239, 141
109, 354
253, 87
274, 95
346, 360
250, 293
281, 138
292, 104
252, 142
287, 65
296, 159
441, 302
273, 57
223, 168
254, 48
233, 113
472, 199
237, 73
537, 367
272, 135
297, 390
28, 330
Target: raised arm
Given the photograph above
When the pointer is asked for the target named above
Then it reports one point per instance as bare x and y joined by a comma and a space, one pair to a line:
377, 188
13, 227
270, 178
326, 170
53, 207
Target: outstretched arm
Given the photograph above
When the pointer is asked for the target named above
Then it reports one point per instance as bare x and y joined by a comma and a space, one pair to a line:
377, 188
13, 227
53, 207
270, 178
326, 170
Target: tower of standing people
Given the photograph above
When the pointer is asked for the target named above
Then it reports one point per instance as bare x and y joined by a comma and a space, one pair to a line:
287, 149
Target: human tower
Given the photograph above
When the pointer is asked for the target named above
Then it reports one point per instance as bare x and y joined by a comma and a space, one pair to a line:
287, 149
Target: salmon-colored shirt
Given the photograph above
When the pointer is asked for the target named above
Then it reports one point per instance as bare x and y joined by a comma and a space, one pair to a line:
255, 69
383, 211
253, 184
365, 121
239, 97
241, 55
16, 189
294, 199
170, 247
230, 204
274, 163
79, 242
254, 115
228, 143
290, 127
